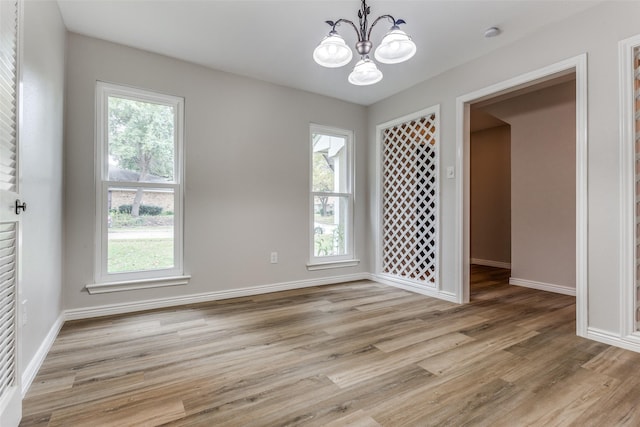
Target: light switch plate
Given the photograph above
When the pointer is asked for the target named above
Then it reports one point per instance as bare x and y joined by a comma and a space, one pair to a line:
451, 172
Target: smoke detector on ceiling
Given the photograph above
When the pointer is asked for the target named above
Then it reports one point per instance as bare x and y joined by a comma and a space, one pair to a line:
492, 32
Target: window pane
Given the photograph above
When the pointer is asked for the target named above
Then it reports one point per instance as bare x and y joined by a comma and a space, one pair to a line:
140, 229
329, 163
141, 141
329, 227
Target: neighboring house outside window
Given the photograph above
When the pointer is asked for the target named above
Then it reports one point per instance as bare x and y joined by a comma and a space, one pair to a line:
331, 198
139, 185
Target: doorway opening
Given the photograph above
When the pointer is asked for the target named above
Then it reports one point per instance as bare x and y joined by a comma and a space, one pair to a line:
522, 185
521, 190
490, 202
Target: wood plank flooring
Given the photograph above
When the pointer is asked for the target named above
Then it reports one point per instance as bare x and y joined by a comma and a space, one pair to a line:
354, 354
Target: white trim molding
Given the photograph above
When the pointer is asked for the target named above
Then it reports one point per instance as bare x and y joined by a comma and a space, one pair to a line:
542, 286
410, 286
631, 343
333, 264
130, 307
130, 285
577, 65
627, 186
490, 263
34, 365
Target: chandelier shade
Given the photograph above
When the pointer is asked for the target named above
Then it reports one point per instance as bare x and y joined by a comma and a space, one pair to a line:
365, 73
332, 52
395, 47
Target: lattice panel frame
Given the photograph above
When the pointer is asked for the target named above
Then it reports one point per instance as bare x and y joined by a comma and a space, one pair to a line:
410, 201
636, 115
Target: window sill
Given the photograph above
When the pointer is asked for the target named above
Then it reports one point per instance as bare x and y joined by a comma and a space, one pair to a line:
333, 264
129, 285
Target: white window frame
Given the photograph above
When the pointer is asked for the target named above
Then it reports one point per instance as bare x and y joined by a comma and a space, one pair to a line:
348, 259
110, 282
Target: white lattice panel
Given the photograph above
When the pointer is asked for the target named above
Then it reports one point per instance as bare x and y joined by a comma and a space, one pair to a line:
410, 201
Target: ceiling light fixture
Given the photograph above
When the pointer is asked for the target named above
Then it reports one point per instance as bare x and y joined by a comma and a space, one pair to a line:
396, 46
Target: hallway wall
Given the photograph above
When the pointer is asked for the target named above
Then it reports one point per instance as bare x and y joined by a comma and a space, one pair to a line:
543, 184
491, 196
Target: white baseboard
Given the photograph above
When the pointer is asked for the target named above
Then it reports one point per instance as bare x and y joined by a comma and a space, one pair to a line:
549, 287
489, 263
410, 286
628, 343
129, 307
34, 365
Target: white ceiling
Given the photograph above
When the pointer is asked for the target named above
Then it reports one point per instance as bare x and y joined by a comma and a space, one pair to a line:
274, 40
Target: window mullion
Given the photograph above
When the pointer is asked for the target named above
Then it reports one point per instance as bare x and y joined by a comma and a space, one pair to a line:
329, 194
141, 184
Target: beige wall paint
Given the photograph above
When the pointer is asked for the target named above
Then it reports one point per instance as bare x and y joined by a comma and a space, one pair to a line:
247, 172
615, 20
41, 141
543, 202
491, 194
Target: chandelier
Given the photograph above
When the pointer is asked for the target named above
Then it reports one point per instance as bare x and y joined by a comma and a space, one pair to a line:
396, 46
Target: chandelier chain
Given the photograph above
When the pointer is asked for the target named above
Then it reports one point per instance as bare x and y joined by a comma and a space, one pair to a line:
364, 33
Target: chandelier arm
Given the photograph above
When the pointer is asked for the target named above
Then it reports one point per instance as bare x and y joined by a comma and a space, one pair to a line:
352, 25
389, 17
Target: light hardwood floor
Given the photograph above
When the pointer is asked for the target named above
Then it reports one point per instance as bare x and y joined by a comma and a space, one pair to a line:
358, 354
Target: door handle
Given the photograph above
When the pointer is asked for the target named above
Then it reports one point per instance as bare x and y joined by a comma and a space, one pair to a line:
19, 206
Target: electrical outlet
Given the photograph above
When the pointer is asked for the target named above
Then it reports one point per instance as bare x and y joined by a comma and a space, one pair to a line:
23, 313
274, 257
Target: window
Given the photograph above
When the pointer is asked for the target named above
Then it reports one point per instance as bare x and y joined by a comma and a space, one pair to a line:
331, 197
139, 185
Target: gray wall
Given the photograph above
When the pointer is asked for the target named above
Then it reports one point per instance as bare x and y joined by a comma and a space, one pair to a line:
41, 139
596, 32
247, 147
543, 181
491, 194
247, 172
